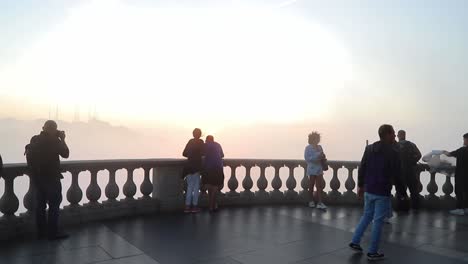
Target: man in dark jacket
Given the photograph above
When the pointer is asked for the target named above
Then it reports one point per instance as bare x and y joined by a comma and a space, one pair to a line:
380, 166
461, 177
409, 156
43, 156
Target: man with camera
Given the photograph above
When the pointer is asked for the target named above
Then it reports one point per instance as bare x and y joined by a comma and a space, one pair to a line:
43, 157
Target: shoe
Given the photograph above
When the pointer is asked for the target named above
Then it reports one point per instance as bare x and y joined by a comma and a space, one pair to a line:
321, 206
195, 210
458, 212
187, 210
312, 204
59, 236
375, 256
387, 220
355, 247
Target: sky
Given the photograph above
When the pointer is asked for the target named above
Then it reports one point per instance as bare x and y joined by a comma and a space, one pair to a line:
343, 67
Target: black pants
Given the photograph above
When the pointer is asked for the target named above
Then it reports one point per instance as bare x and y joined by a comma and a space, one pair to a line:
48, 192
461, 192
412, 183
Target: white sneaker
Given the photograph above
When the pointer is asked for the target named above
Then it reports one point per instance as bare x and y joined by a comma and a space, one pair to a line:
312, 204
457, 212
321, 206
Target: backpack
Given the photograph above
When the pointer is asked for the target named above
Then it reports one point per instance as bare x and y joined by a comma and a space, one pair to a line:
33, 155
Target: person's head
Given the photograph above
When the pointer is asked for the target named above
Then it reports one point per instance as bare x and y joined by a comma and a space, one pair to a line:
465, 139
387, 134
401, 135
197, 133
314, 138
209, 138
50, 128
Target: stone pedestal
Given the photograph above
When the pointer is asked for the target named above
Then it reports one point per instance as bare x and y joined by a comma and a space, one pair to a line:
168, 188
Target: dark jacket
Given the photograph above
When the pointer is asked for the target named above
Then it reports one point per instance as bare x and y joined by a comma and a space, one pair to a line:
193, 152
409, 154
213, 155
1, 166
380, 168
461, 171
43, 156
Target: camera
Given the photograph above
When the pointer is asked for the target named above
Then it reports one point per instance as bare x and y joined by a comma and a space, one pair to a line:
60, 133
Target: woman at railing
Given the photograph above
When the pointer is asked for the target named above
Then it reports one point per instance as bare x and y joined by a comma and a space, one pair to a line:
314, 156
213, 174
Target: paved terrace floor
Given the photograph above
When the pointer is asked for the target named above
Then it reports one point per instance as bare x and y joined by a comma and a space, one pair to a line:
286, 234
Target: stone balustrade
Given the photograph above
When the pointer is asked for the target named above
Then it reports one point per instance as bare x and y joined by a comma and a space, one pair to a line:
164, 191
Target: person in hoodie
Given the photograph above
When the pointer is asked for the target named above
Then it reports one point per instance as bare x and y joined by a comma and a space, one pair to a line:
380, 166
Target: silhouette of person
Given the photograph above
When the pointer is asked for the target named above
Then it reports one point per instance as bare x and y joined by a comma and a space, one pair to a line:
43, 156
213, 174
410, 155
192, 171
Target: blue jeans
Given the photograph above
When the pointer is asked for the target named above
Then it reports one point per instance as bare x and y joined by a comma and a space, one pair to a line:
193, 189
376, 208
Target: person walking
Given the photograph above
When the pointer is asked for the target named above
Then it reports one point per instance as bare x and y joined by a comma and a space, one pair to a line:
379, 166
43, 157
314, 156
193, 152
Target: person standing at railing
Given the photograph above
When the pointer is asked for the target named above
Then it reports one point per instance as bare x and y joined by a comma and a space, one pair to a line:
43, 156
461, 177
379, 166
410, 155
213, 174
193, 152
314, 156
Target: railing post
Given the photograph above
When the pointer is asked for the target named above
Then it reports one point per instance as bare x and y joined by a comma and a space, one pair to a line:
447, 200
350, 196
112, 189
305, 182
276, 183
29, 197
74, 193
129, 188
262, 184
291, 184
334, 195
93, 192
9, 203
233, 183
432, 200
247, 183
146, 187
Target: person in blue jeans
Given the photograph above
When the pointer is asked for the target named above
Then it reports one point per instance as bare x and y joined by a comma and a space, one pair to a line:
380, 167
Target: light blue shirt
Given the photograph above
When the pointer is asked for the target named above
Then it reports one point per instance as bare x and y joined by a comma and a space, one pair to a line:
313, 158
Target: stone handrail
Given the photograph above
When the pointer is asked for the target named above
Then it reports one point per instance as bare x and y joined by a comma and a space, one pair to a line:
164, 192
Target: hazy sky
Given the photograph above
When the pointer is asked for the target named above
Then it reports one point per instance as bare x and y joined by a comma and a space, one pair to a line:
345, 64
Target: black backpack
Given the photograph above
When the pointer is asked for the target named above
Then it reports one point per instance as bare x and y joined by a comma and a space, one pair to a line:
33, 155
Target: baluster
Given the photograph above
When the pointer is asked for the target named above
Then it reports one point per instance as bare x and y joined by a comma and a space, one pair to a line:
112, 189
276, 183
74, 193
291, 184
129, 188
262, 184
28, 200
350, 184
305, 182
447, 188
431, 199
247, 183
9, 203
146, 187
233, 183
335, 184
93, 192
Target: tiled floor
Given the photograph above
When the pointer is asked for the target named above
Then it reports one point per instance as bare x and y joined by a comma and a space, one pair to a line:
287, 234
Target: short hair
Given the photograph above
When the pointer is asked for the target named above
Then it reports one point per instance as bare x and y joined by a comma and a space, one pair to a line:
402, 132
209, 138
385, 129
314, 135
197, 132
50, 124
465, 136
